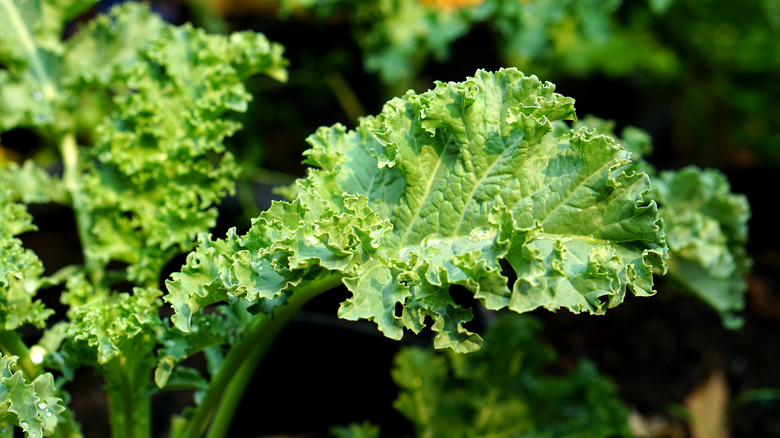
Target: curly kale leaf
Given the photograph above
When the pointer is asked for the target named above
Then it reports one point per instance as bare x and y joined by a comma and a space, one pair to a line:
437, 190
160, 165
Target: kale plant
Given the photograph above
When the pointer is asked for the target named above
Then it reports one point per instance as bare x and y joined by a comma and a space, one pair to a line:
467, 184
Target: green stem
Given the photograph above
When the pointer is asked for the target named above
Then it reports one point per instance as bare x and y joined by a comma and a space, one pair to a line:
346, 97
228, 385
71, 177
11, 344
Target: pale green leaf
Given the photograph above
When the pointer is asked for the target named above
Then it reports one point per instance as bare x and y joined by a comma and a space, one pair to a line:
436, 191
468, 175
32, 184
29, 91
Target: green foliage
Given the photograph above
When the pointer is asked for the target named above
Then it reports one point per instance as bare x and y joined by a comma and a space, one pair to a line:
503, 390
138, 111
398, 36
20, 270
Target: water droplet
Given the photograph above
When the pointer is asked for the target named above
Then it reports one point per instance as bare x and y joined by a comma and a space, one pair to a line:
48, 413
37, 96
42, 405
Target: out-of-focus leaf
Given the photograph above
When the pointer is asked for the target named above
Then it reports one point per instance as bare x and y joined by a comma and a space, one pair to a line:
20, 269
30, 50
32, 184
435, 191
708, 406
706, 230
355, 430
501, 390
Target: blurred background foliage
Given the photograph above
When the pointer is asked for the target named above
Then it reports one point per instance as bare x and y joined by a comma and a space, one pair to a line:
709, 69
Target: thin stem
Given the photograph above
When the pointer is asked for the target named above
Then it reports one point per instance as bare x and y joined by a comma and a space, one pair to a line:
11, 344
228, 384
346, 97
223, 416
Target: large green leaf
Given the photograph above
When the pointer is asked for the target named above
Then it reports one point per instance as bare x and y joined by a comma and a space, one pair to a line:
437, 190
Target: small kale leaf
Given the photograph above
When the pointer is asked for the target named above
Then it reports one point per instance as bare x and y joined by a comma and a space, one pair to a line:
20, 269
706, 226
32, 406
707, 231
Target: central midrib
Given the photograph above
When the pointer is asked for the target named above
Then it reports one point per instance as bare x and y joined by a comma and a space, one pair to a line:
29, 46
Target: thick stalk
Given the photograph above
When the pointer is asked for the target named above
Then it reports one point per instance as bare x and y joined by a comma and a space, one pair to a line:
129, 409
227, 386
71, 177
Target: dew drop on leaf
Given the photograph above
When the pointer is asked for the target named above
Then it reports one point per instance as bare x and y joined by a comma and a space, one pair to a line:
37, 96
